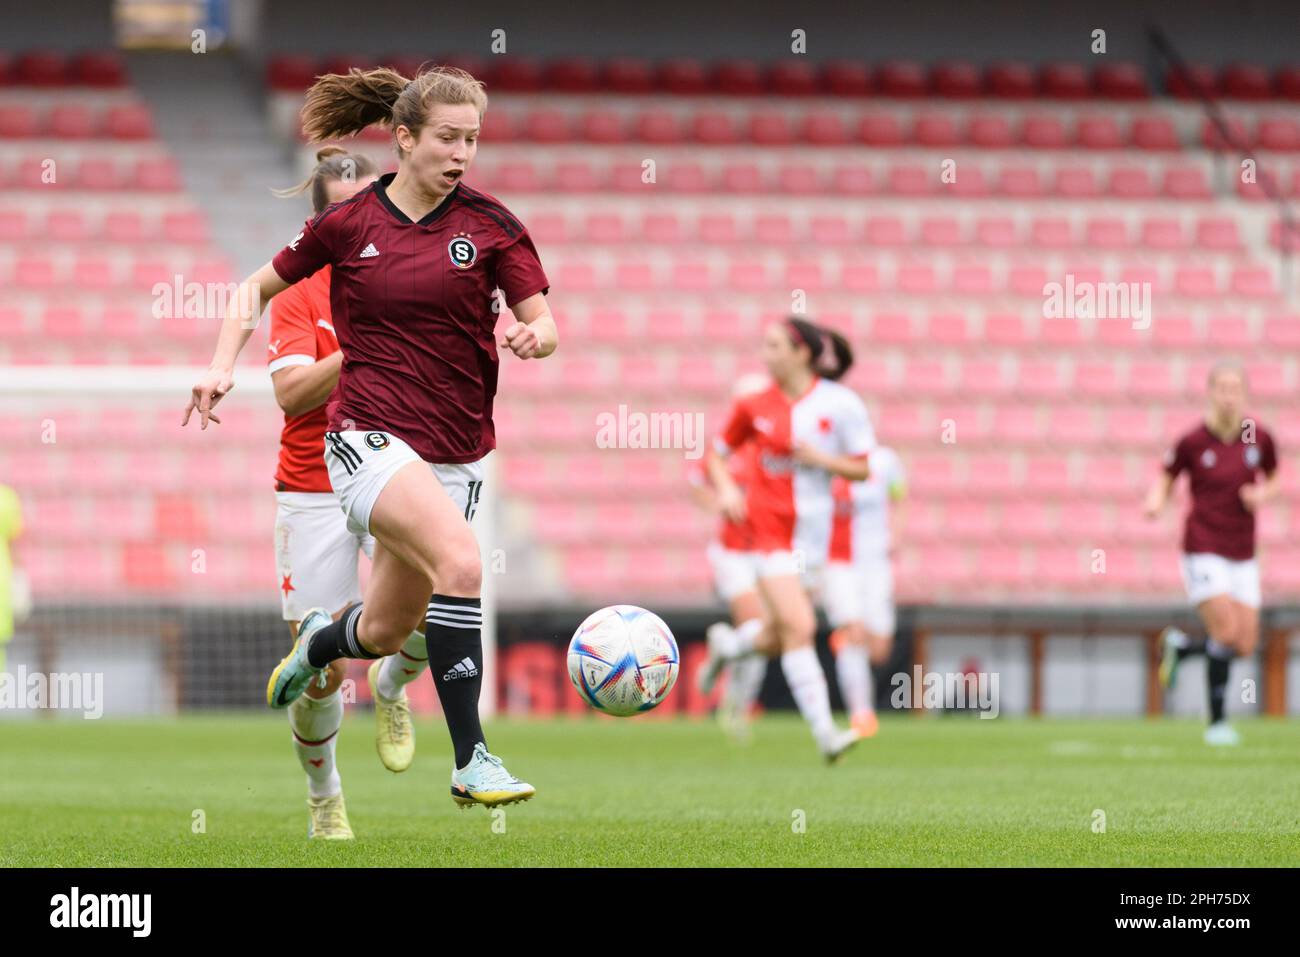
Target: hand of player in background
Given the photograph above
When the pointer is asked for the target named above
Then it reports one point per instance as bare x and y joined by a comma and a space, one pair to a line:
522, 340
805, 454
206, 394
731, 503
1154, 504
1252, 496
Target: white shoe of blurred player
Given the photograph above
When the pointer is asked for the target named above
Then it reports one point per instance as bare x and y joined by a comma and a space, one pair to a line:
721, 641
1222, 734
839, 741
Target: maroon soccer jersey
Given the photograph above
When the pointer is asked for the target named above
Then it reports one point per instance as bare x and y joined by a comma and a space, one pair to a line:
413, 309
1218, 521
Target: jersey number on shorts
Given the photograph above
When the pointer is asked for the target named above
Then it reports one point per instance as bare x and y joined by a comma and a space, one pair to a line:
471, 500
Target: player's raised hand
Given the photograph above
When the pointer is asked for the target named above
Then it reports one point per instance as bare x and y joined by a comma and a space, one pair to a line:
731, 502
521, 339
206, 394
1251, 496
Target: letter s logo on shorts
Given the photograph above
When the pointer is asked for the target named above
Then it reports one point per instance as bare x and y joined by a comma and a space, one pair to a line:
377, 440
462, 251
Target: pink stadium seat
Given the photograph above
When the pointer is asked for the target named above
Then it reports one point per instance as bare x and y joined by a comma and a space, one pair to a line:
1073, 424
1268, 380
880, 129
744, 177
885, 231
1107, 476
934, 473
1163, 233
947, 329
969, 521
1005, 329
1048, 476
1195, 282
1014, 424
1027, 521
852, 179
990, 473
1107, 233
770, 128
1131, 182
1174, 332
688, 177
1185, 182
916, 279
72, 121
830, 230
1282, 331
1129, 426
1044, 131
1278, 133
935, 130
18, 121
714, 128
1076, 182
903, 423
1051, 233
98, 174
941, 231
910, 180
1154, 132
1097, 380
1027, 281
128, 123
974, 279
1218, 233
1098, 132
1253, 282
996, 232
161, 175
825, 129
991, 131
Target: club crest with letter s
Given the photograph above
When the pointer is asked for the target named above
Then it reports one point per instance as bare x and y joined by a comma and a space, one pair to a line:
462, 251
377, 440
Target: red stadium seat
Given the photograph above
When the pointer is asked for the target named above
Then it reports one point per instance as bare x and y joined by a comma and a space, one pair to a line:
1131, 182
71, 121
45, 68
1246, 81
97, 68
825, 129
161, 175
1076, 182
683, 77
1120, 81
1022, 182
881, 129
1012, 81
128, 123
290, 73
1186, 182
573, 74
847, 78
1218, 233
1065, 81
739, 78
1192, 82
1278, 133
1286, 81
901, 78
956, 79
627, 75
715, 128
793, 78
770, 129
935, 130
1163, 234
602, 126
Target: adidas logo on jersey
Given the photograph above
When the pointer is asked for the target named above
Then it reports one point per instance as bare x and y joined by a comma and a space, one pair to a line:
369, 251
463, 669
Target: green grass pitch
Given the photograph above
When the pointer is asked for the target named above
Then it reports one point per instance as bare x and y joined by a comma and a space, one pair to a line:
636, 792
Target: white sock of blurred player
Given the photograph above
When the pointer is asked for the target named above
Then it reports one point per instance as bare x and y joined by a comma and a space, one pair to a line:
401, 669
803, 673
853, 669
744, 677
315, 724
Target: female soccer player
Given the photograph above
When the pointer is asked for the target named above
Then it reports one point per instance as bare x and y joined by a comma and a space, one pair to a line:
416, 258
316, 553
1224, 458
807, 429
735, 579
858, 587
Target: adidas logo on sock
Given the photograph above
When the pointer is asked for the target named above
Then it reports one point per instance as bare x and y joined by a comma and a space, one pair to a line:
463, 669
369, 251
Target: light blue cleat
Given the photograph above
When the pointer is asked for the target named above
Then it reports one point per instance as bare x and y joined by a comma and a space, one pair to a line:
294, 674
1222, 734
486, 781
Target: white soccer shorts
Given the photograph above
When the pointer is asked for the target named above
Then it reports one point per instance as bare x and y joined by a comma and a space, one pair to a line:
315, 554
861, 591
1207, 575
734, 572
361, 463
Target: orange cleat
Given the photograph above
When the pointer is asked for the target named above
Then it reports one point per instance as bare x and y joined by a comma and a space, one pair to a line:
866, 724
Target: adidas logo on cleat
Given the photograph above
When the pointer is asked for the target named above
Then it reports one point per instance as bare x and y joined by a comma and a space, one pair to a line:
369, 251
463, 669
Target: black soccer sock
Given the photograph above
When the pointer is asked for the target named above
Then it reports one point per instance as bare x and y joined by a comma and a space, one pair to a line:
337, 640
1216, 675
453, 635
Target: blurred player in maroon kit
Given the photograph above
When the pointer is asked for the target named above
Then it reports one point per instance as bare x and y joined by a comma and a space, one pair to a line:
1224, 458
417, 258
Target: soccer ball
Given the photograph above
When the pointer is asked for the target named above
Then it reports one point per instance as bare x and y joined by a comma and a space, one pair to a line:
623, 660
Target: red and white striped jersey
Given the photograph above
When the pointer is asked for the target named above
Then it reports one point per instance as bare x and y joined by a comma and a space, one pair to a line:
861, 527
789, 505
